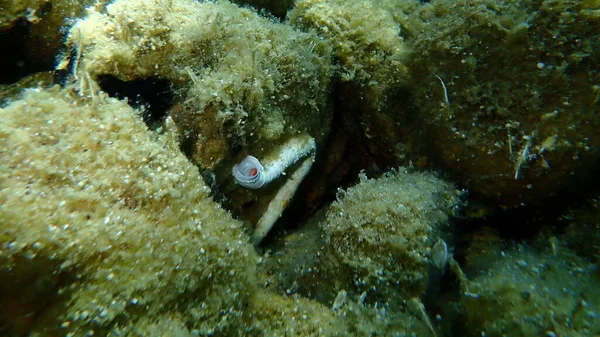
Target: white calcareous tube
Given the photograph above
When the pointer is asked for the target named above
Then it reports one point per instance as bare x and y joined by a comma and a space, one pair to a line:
250, 173
280, 201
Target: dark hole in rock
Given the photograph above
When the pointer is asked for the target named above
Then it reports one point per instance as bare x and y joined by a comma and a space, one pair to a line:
153, 94
17, 61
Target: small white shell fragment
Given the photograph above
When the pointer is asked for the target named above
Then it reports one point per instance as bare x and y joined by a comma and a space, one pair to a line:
439, 254
340, 300
362, 298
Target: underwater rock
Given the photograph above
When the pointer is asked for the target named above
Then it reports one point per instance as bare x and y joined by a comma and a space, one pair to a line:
244, 84
508, 93
293, 267
104, 222
33, 31
365, 38
528, 293
295, 316
107, 228
12, 91
378, 236
374, 104
502, 94
582, 229
278, 8
368, 256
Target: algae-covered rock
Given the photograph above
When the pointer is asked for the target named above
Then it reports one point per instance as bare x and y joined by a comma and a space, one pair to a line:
295, 316
509, 93
293, 267
378, 235
502, 93
527, 293
278, 8
33, 31
243, 82
582, 229
104, 223
368, 255
369, 47
365, 38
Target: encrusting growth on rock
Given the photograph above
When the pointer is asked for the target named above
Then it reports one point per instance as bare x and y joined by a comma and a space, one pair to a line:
100, 217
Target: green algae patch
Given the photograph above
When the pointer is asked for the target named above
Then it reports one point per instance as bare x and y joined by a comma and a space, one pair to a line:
103, 222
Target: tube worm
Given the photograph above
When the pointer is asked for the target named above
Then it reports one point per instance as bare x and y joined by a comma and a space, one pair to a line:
250, 173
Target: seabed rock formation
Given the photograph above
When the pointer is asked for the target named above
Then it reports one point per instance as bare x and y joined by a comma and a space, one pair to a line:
425, 130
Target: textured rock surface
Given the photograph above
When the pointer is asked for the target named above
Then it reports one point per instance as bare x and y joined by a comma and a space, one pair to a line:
529, 293
522, 86
102, 223
242, 82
